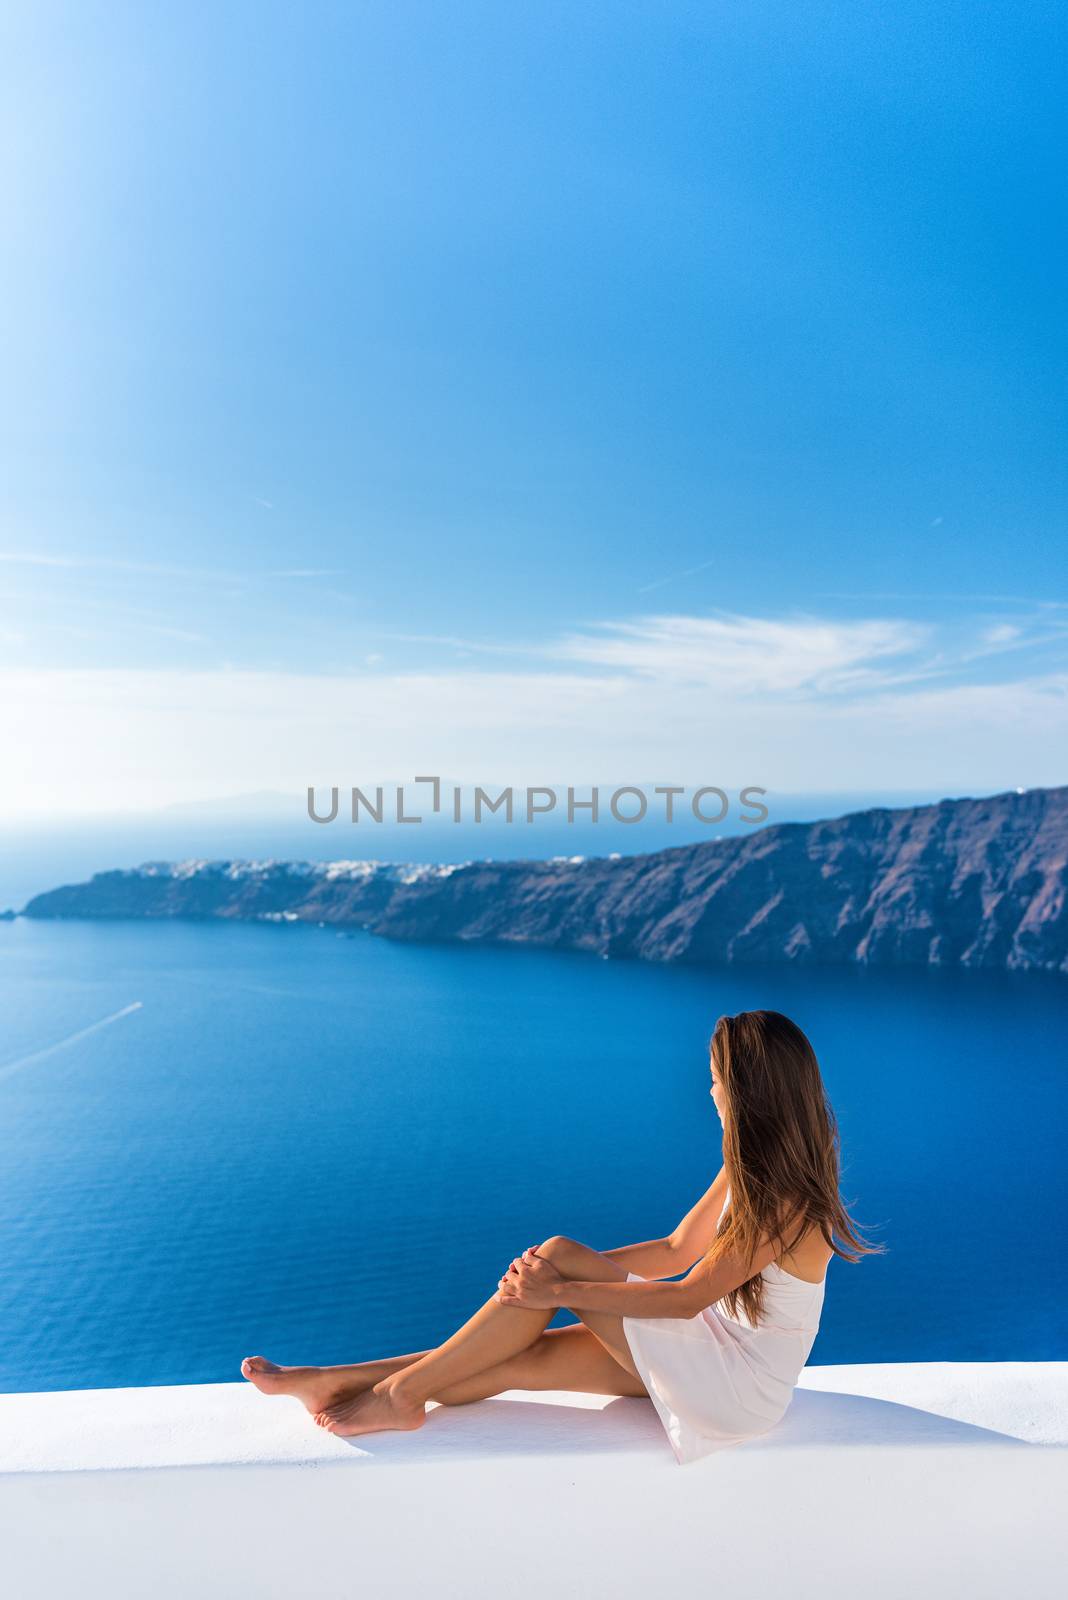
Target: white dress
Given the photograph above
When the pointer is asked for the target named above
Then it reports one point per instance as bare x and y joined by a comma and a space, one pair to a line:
714, 1379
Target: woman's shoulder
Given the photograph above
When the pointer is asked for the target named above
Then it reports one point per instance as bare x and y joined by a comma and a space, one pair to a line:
809, 1257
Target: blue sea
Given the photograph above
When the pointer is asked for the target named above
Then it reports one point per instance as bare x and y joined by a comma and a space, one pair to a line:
226, 1139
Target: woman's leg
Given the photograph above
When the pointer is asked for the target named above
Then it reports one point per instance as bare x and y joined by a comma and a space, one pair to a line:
322, 1387
570, 1358
318, 1387
491, 1337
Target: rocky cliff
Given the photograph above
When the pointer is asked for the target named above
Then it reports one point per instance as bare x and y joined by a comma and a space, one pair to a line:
973, 883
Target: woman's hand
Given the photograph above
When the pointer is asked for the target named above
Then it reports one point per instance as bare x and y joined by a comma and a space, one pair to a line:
530, 1282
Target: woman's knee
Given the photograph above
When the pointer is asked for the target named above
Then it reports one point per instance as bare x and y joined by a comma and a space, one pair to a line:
576, 1260
558, 1246
568, 1255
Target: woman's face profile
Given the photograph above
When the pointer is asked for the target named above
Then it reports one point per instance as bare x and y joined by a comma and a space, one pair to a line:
716, 1090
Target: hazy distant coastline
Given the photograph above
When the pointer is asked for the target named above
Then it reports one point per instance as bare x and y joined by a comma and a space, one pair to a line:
970, 883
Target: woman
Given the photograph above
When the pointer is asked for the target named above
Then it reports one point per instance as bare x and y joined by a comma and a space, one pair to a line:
719, 1350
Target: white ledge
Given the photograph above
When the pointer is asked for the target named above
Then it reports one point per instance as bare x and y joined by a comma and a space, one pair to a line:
232, 1424
877, 1474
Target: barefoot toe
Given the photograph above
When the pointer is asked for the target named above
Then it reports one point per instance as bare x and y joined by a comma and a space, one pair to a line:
253, 1364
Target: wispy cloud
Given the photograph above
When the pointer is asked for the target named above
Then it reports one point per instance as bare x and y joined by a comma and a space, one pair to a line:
1001, 633
452, 641
153, 569
306, 572
32, 559
24, 558
93, 619
793, 702
912, 595
204, 734
749, 656
672, 577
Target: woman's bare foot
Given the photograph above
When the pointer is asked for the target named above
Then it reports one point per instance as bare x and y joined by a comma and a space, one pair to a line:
314, 1387
372, 1411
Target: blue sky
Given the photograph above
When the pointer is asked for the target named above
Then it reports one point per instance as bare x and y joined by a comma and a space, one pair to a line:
570, 391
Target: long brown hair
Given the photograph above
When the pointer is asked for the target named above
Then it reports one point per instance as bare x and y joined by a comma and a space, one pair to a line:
780, 1147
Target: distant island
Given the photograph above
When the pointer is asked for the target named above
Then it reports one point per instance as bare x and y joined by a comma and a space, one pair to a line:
964, 883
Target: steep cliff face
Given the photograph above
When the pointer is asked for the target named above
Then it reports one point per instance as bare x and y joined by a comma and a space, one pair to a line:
974, 883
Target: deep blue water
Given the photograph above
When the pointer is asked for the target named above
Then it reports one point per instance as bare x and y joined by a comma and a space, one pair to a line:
328, 1148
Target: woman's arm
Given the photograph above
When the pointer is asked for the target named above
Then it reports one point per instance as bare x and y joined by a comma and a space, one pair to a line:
666, 1258
654, 1258
670, 1256
696, 1231
703, 1285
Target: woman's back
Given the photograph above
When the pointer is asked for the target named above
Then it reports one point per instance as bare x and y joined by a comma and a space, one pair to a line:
734, 1381
779, 1345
